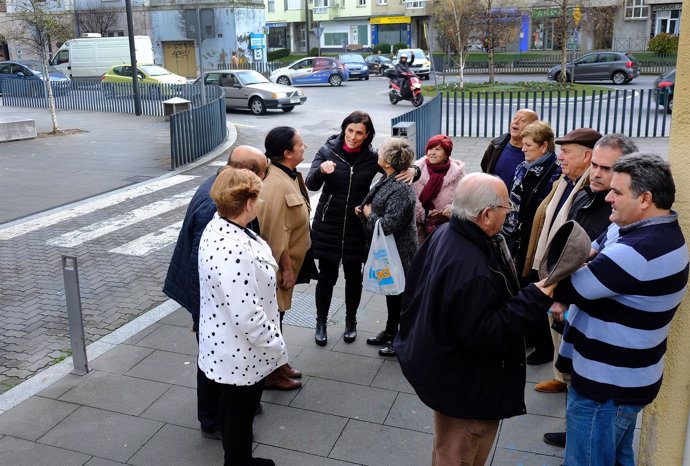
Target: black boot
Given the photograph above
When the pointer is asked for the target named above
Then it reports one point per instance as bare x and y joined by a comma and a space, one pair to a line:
322, 297
382, 339
350, 330
320, 336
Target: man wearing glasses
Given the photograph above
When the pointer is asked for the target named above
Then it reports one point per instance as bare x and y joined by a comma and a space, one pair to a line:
182, 281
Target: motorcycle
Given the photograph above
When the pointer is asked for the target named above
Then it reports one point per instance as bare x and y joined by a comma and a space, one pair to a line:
412, 90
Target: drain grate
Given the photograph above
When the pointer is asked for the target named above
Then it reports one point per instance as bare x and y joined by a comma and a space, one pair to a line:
303, 312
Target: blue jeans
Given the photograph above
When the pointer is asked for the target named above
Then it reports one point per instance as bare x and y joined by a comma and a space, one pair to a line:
598, 434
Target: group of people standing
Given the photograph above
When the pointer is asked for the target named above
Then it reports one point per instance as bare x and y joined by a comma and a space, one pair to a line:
470, 247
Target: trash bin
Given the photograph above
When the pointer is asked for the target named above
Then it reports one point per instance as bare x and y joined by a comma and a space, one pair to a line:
175, 105
408, 130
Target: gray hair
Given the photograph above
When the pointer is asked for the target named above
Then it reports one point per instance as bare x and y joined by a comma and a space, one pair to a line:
398, 153
618, 141
649, 173
473, 194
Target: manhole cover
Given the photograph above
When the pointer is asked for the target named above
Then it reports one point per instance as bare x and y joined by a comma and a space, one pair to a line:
303, 312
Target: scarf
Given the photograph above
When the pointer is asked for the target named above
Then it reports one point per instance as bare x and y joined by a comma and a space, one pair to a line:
433, 186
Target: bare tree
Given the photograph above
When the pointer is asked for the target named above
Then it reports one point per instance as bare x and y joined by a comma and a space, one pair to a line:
454, 20
501, 25
95, 18
36, 23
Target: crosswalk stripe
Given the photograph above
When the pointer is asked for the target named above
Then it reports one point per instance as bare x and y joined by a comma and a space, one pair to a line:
218, 163
95, 230
150, 243
90, 206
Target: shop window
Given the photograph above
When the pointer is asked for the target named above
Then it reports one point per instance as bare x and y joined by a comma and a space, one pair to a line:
362, 35
335, 39
636, 9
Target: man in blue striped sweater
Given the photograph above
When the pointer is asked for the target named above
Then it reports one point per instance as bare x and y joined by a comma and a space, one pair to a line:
622, 304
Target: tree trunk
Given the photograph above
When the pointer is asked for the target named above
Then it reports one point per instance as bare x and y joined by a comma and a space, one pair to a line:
49, 91
564, 39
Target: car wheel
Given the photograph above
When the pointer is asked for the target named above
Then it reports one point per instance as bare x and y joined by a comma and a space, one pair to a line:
557, 77
335, 80
284, 80
257, 106
288, 109
618, 77
366, 78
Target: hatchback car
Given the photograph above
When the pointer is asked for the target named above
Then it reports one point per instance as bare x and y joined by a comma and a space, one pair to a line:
619, 67
312, 70
421, 65
378, 64
249, 89
664, 86
32, 71
355, 64
117, 81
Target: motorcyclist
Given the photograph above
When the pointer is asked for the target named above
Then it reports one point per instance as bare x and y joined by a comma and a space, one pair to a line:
403, 66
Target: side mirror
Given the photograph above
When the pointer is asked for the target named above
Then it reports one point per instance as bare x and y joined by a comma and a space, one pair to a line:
237, 86
20, 74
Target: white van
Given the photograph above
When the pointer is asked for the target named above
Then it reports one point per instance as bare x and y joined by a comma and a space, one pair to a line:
91, 57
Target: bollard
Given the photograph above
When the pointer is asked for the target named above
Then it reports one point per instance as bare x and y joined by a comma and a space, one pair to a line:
70, 274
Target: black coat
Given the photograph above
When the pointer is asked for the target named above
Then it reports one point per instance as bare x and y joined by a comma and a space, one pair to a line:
493, 152
591, 211
337, 234
461, 343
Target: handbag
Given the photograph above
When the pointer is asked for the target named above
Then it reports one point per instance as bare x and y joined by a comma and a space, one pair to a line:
383, 271
308, 271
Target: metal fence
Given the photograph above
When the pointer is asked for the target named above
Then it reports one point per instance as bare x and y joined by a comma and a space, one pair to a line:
199, 130
427, 119
642, 113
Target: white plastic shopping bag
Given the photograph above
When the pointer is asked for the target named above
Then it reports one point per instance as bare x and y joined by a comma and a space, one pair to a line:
383, 271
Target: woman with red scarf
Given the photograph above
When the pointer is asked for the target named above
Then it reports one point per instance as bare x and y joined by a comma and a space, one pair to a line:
436, 185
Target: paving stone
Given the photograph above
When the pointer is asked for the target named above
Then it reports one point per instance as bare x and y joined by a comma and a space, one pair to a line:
128, 395
102, 433
62, 386
546, 404
345, 399
284, 457
375, 444
502, 457
338, 366
34, 417
297, 429
390, 377
175, 445
18, 452
176, 406
369, 318
408, 412
282, 397
539, 373
304, 337
95, 461
359, 346
180, 317
134, 339
120, 359
171, 338
526, 433
163, 366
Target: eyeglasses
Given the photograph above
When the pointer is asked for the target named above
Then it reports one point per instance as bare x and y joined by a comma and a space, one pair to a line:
268, 168
508, 208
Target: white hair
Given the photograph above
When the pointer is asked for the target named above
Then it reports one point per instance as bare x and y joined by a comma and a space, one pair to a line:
474, 194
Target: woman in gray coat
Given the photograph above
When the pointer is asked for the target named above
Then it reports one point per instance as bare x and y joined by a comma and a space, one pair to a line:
392, 202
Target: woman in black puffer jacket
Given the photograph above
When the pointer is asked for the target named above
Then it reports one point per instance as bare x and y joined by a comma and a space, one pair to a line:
345, 167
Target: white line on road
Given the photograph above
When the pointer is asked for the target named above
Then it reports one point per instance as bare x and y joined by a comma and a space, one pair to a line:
95, 230
90, 206
149, 243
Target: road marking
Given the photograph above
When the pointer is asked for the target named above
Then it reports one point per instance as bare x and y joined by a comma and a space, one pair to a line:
218, 163
150, 243
95, 230
90, 206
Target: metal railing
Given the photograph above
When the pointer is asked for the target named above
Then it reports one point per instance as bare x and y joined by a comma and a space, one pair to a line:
199, 130
428, 121
636, 113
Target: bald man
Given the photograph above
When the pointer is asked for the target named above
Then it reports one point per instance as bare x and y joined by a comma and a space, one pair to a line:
505, 152
461, 338
182, 281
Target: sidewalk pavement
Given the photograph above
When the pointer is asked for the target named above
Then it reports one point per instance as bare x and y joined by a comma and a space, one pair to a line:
138, 403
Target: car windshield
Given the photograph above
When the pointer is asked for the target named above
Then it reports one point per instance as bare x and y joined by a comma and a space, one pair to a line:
154, 70
418, 54
352, 58
251, 77
670, 76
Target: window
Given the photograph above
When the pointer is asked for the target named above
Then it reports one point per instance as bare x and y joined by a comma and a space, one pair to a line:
3, 5
271, 6
337, 39
361, 2
382, 2
114, 33
4, 69
668, 21
607, 58
636, 9
294, 5
362, 35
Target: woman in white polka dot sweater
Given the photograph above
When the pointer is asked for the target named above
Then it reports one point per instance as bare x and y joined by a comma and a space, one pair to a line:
239, 339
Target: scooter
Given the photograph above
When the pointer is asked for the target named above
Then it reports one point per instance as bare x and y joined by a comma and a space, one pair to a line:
412, 90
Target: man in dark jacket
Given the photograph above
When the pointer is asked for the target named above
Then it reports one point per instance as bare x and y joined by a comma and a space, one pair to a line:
403, 66
505, 152
461, 339
182, 281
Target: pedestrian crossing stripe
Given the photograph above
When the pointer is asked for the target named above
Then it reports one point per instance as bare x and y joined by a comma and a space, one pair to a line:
98, 229
152, 242
222, 163
43, 221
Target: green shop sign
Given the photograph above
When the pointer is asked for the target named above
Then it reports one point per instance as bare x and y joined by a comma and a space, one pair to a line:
549, 13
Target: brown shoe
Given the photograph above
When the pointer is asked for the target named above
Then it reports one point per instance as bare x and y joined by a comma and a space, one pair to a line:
277, 381
290, 372
551, 386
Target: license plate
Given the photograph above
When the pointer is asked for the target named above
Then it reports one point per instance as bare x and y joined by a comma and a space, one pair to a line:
294, 101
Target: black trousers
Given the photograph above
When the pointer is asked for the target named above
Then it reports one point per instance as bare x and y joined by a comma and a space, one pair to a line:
207, 400
394, 306
328, 276
237, 409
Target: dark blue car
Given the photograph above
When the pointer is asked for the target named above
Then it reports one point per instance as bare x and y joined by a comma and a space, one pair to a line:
31, 72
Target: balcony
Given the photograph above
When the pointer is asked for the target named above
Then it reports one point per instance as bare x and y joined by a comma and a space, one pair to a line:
414, 6
325, 12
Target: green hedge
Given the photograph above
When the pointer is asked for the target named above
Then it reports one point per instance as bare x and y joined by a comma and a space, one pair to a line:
276, 54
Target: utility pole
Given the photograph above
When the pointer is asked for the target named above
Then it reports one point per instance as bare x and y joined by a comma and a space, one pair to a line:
306, 24
133, 59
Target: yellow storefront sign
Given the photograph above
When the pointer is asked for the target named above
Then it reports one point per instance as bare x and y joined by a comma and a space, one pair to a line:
390, 20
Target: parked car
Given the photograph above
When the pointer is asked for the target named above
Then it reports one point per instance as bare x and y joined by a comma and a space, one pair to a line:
619, 67
378, 64
151, 77
355, 64
312, 70
32, 70
249, 89
421, 65
663, 82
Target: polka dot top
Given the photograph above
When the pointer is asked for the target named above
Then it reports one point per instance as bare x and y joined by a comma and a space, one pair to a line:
239, 338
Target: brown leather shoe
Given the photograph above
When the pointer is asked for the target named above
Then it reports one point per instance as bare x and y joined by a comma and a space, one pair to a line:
551, 386
290, 372
276, 380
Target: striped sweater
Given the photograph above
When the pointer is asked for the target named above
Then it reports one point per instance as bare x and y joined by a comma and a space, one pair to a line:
622, 305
